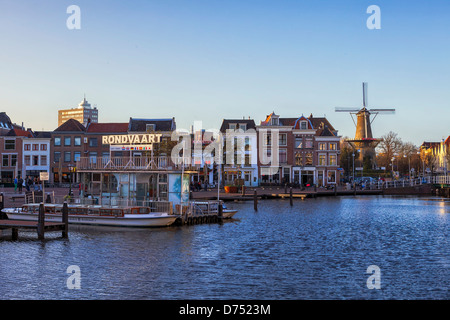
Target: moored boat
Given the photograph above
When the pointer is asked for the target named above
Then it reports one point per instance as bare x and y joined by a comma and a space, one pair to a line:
211, 207
133, 216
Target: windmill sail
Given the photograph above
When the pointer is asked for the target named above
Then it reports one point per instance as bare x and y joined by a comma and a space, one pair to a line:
363, 137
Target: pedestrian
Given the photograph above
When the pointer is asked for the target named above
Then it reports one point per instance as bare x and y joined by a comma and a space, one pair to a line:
20, 183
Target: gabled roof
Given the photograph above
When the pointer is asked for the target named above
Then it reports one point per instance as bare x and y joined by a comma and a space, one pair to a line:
42, 134
107, 127
320, 122
302, 118
447, 141
140, 125
19, 133
226, 123
325, 132
71, 125
5, 121
428, 145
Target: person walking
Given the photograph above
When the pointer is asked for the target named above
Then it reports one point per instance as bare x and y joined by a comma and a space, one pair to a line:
15, 184
20, 184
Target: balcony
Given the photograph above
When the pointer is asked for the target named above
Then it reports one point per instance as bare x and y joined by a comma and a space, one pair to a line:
128, 164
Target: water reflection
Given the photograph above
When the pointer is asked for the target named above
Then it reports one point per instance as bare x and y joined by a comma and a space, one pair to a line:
317, 249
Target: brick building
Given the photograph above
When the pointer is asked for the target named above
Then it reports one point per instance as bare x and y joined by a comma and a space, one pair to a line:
308, 151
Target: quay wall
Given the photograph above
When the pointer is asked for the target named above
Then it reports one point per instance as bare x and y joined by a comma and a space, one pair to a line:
424, 189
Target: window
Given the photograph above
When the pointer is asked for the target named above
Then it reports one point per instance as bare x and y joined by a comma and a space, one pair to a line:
248, 160
57, 141
232, 126
298, 159
76, 156
13, 160
303, 125
27, 147
67, 156
93, 157
282, 139
43, 160
43, 147
77, 141
93, 142
331, 177
27, 160
243, 126
333, 146
10, 144
267, 139
275, 121
67, 141
35, 147
298, 142
309, 143
322, 160
5, 161
282, 156
150, 127
35, 160
332, 160
309, 159
57, 156
322, 146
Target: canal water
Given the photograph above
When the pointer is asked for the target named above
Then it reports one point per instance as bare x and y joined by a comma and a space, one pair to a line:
318, 249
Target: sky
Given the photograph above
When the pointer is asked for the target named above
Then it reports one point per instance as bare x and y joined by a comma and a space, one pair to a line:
209, 60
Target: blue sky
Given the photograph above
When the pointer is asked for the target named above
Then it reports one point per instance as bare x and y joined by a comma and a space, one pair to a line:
209, 60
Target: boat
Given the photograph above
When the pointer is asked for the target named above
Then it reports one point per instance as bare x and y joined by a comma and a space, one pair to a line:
211, 207
132, 216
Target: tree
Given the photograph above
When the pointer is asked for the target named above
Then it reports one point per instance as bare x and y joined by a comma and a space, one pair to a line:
408, 152
388, 147
346, 161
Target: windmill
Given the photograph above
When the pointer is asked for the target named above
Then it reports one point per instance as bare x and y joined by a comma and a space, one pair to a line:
364, 140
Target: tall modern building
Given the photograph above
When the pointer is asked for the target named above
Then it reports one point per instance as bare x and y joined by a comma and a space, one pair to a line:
84, 114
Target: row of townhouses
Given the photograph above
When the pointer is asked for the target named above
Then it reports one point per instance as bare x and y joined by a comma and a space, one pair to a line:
301, 150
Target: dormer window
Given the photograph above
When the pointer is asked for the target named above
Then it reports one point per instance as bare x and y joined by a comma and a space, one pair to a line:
303, 125
232, 126
275, 121
150, 127
243, 126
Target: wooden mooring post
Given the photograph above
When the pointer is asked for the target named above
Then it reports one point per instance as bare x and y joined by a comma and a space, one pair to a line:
255, 200
41, 222
290, 197
65, 220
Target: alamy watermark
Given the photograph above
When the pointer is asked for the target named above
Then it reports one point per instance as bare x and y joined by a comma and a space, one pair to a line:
374, 21
374, 280
73, 22
74, 280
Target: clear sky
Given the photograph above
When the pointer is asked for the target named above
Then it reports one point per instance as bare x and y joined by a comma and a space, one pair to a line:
209, 60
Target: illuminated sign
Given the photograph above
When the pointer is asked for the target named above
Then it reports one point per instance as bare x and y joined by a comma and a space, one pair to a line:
132, 139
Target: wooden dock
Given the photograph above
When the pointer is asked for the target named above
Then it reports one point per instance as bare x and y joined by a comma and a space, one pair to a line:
40, 225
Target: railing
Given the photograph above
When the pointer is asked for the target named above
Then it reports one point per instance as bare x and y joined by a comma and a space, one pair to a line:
441, 180
127, 163
404, 182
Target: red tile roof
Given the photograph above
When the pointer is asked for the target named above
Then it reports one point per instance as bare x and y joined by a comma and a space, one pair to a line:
107, 127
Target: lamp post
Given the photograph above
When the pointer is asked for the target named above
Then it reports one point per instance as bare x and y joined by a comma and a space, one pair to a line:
353, 157
70, 178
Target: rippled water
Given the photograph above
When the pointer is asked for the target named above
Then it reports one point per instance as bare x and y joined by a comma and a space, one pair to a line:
317, 249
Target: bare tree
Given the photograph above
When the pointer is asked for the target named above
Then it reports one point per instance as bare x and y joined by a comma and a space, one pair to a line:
389, 146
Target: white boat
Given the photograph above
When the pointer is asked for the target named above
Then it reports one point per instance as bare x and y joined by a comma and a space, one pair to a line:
211, 207
95, 215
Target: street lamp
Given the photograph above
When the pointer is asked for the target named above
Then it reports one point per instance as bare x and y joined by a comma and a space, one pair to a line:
70, 178
353, 156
